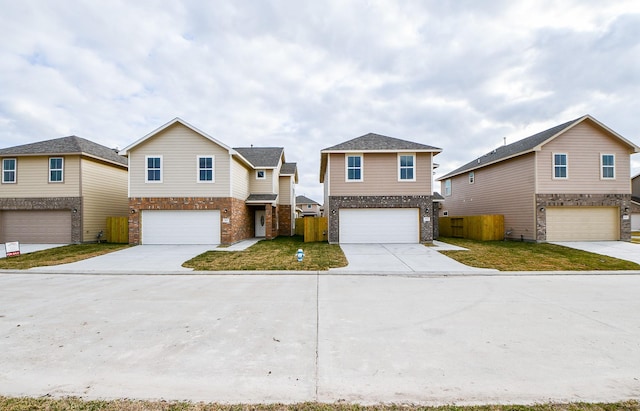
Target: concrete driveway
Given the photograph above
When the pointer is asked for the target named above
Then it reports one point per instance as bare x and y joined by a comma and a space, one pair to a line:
617, 249
291, 338
401, 259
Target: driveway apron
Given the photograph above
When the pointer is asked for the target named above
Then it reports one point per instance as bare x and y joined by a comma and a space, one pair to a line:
400, 259
616, 249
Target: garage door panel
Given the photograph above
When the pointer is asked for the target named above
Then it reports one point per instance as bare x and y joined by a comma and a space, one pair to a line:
583, 224
379, 225
180, 227
36, 226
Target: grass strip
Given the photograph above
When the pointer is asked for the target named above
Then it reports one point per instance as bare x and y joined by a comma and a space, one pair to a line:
59, 255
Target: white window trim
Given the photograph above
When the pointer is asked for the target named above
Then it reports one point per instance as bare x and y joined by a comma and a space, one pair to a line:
413, 167
264, 175
447, 190
346, 168
553, 167
146, 169
472, 177
15, 171
198, 169
56, 169
602, 177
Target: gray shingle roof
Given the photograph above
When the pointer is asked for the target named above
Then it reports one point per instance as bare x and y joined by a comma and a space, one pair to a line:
65, 145
305, 200
262, 197
261, 156
289, 168
510, 150
377, 142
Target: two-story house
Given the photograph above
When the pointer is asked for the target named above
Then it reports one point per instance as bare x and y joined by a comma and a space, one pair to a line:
186, 187
378, 189
570, 182
60, 191
307, 207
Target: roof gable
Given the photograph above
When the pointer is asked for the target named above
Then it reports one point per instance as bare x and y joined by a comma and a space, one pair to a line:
530, 144
262, 157
305, 200
378, 142
177, 120
66, 145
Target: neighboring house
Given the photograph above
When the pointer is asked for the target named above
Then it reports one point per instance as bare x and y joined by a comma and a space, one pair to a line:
378, 189
307, 207
186, 187
60, 191
635, 203
570, 182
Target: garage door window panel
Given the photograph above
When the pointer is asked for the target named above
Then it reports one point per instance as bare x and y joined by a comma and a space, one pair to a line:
560, 166
9, 170
406, 167
355, 166
205, 169
608, 166
56, 170
153, 169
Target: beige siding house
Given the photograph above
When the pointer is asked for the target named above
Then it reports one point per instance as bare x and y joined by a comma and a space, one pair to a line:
60, 191
635, 203
186, 187
378, 189
307, 207
570, 182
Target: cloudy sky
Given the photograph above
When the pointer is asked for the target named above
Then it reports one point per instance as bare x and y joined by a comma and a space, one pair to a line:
460, 75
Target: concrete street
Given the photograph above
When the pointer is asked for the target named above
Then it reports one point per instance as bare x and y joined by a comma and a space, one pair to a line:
291, 338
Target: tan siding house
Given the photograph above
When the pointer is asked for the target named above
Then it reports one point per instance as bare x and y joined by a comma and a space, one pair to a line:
378, 189
186, 187
570, 182
60, 191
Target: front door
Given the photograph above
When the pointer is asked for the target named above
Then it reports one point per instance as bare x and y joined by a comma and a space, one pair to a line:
260, 223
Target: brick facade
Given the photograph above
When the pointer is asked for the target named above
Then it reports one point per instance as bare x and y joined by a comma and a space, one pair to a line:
285, 225
622, 201
50, 203
423, 203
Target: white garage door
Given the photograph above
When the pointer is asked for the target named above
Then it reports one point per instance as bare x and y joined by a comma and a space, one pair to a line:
180, 227
379, 225
35, 227
635, 222
583, 223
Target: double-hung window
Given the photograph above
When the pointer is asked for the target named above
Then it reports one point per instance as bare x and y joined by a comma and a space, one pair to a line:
406, 167
9, 170
447, 187
354, 167
560, 166
608, 166
153, 169
205, 169
56, 169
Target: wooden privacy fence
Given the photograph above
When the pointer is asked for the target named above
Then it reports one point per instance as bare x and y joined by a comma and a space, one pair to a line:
312, 228
117, 230
476, 227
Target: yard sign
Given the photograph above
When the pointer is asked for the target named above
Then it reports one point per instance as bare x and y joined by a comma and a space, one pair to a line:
12, 249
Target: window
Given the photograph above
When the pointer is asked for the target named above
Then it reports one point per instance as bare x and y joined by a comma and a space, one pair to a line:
308, 205
406, 170
9, 170
205, 169
608, 166
560, 166
154, 169
472, 177
56, 169
354, 168
447, 187
261, 174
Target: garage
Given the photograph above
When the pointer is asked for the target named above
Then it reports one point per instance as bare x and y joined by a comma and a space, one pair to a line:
583, 223
36, 226
180, 227
635, 222
379, 225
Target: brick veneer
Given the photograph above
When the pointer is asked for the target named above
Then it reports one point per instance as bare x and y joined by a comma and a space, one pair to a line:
622, 201
284, 220
50, 203
239, 227
423, 203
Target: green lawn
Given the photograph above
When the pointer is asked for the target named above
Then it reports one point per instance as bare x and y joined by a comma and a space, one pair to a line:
276, 254
526, 256
50, 404
59, 255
